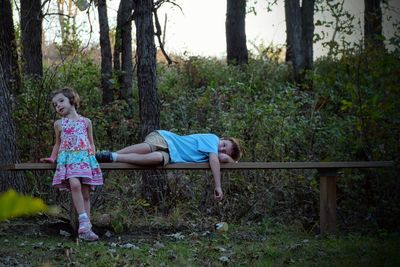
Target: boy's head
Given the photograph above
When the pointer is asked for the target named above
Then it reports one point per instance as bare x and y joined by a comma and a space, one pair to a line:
230, 146
69, 93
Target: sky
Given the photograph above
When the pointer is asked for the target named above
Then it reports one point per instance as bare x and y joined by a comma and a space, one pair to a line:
199, 28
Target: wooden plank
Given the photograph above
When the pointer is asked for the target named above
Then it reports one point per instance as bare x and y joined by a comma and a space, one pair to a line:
327, 202
203, 166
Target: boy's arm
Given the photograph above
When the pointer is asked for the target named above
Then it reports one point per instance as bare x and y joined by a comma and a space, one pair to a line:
216, 171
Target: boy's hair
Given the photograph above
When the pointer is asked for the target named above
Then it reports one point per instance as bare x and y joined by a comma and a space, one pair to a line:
236, 148
69, 93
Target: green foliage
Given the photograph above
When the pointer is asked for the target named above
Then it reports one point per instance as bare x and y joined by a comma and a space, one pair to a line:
15, 205
350, 114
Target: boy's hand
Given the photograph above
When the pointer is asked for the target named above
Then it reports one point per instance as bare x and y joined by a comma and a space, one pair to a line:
49, 160
218, 195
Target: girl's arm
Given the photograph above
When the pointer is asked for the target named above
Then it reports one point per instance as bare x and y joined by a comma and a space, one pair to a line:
56, 147
216, 171
90, 135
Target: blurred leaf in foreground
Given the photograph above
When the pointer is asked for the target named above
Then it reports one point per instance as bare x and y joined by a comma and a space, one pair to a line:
16, 205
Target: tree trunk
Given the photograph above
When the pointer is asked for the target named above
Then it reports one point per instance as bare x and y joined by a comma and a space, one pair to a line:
294, 38
31, 35
307, 14
123, 49
300, 31
373, 25
8, 75
106, 57
236, 32
153, 186
60, 8
149, 104
9, 56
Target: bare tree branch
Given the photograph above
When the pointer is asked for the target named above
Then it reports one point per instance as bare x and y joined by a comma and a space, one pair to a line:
158, 34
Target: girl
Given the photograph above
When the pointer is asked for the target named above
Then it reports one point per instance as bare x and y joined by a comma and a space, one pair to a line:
77, 168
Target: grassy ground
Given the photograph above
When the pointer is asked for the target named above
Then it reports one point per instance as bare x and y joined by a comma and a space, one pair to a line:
265, 244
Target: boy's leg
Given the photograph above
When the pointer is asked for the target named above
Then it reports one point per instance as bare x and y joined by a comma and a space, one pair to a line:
142, 148
153, 158
107, 156
141, 154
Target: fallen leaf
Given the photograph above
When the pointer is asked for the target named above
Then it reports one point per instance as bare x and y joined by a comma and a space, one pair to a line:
224, 259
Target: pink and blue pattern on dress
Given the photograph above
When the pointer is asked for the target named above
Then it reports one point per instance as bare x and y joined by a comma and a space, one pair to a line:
75, 157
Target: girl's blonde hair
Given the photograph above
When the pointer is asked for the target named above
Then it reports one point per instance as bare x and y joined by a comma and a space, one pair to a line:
69, 93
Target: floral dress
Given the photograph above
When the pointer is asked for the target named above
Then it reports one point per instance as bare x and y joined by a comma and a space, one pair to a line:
75, 157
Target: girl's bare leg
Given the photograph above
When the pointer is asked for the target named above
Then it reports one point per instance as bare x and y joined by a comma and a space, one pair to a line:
141, 148
86, 198
77, 197
153, 158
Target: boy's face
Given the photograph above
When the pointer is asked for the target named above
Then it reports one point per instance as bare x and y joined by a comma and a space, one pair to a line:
225, 146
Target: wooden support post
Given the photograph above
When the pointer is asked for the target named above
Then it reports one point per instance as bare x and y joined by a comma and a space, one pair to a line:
327, 200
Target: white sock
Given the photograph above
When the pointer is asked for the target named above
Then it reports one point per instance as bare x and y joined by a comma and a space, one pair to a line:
83, 216
114, 156
84, 222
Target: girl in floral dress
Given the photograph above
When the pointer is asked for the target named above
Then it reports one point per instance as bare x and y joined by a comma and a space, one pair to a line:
77, 168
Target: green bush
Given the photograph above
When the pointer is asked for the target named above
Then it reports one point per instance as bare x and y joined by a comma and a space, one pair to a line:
351, 113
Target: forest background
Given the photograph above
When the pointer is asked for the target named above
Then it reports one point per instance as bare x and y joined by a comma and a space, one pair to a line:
280, 101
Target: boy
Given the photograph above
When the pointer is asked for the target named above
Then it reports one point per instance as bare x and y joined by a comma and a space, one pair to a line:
163, 147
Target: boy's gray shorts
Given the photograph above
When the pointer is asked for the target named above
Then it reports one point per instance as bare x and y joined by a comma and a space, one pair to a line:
158, 143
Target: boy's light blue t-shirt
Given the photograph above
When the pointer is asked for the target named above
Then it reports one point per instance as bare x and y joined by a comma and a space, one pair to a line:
190, 148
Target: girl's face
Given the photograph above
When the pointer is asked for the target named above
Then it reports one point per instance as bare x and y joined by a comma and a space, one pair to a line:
61, 104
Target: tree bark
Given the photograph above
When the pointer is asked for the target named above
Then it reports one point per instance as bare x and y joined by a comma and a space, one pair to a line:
8, 75
299, 39
294, 37
106, 57
373, 25
9, 55
235, 28
307, 14
31, 35
123, 49
149, 104
153, 187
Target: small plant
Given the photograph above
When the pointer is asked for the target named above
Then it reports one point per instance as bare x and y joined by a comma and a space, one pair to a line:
15, 205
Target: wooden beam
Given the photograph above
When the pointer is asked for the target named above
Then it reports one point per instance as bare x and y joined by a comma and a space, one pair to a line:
327, 201
227, 166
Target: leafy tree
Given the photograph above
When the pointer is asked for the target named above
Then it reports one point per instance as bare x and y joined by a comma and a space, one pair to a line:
342, 26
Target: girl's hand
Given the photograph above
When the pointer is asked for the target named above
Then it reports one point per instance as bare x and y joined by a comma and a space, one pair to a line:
49, 160
218, 195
